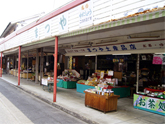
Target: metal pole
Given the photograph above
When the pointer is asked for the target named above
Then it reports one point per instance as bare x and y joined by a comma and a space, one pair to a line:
1, 65
27, 63
55, 69
19, 62
137, 82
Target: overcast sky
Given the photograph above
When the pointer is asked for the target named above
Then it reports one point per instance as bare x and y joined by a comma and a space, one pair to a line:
13, 10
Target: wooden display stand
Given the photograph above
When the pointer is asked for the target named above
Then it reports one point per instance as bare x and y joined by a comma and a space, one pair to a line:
15, 72
24, 75
11, 72
101, 102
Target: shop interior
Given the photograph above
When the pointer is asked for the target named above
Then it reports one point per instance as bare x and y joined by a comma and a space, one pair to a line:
126, 66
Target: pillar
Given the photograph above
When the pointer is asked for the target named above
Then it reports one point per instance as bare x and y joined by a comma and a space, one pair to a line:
95, 63
41, 66
27, 63
36, 66
15, 66
55, 69
1, 66
70, 62
19, 62
137, 81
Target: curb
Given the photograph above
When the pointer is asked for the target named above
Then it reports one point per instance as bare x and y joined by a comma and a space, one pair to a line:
76, 115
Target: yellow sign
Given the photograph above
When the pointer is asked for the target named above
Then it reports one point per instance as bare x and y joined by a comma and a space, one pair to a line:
70, 62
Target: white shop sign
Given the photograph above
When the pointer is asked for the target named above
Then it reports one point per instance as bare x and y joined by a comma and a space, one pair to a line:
121, 47
86, 14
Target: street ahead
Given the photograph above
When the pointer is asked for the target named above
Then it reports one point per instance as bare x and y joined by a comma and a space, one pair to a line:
29, 108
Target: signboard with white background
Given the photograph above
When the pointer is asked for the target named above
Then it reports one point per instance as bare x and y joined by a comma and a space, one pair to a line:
86, 14
93, 12
36, 33
63, 22
47, 28
121, 47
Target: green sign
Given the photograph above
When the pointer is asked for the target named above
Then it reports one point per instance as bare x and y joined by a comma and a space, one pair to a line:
151, 104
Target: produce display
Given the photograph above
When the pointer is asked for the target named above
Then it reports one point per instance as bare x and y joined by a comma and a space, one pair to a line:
95, 82
102, 86
50, 79
101, 92
69, 75
153, 93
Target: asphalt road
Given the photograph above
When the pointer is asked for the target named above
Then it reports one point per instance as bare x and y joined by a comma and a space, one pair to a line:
34, 109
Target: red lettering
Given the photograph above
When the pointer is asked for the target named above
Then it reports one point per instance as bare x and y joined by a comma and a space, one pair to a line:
149, 45
144, 45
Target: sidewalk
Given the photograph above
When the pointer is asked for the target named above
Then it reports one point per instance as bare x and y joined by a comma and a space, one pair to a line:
72, 102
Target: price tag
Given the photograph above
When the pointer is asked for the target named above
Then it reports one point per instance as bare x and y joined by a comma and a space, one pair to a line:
45, 82
110, 73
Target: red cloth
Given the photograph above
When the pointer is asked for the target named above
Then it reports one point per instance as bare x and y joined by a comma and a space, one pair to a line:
154, 90
109, 87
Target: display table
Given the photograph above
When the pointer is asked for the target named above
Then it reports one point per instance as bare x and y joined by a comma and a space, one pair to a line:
69, 84
123, 91
100, 102
66, 84
48, 84
81, 88
24, 75
151, 104
60, 83
11, 72
15, 72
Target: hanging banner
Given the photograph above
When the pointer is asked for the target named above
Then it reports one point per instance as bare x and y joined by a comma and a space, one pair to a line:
155, 105
70, 62
63, 22
86, 14
158, 59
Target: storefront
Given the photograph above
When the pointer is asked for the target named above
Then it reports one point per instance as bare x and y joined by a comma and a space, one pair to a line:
150, 71
92, 40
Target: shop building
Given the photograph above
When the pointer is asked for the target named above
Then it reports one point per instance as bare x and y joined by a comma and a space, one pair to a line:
105, 31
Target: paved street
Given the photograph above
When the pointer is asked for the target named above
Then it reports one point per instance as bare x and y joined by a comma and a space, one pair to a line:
18, 107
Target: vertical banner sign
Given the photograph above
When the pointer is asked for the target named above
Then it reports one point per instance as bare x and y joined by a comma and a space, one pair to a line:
86, 14
63, 22
70, 62
47, 28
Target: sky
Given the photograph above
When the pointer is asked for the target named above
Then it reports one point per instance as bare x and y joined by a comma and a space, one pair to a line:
13, 10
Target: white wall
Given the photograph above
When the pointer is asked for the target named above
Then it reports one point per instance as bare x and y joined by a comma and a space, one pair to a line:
103, 10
